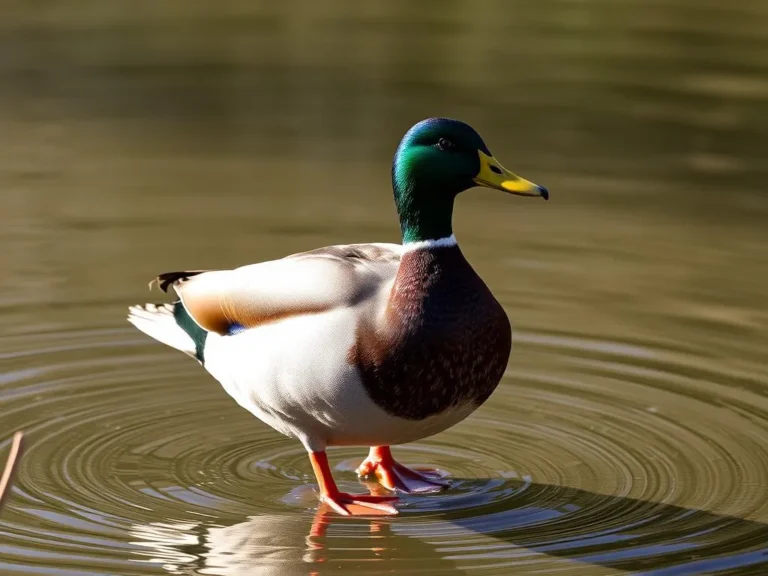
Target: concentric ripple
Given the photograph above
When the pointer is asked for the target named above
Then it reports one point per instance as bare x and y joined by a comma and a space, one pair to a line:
620, 457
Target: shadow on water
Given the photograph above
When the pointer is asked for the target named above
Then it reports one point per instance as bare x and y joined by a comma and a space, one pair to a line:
532, 527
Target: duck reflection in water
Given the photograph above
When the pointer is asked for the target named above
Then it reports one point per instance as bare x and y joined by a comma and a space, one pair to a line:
497, 525
291, 545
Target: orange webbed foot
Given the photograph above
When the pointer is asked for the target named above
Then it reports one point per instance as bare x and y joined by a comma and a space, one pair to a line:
342, 502
394, 476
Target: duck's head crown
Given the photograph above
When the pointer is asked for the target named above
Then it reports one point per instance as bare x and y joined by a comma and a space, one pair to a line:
437, 159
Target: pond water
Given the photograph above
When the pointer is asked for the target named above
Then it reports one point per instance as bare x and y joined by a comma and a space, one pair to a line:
630, 432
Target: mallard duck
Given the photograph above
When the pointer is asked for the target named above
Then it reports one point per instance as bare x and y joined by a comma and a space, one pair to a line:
363, 344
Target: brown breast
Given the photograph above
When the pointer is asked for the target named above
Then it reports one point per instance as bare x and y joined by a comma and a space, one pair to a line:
445, 342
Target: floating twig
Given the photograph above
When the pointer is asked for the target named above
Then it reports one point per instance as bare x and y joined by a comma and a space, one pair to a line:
10, 466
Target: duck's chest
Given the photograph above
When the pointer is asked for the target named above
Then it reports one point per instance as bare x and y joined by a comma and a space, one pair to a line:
445, 341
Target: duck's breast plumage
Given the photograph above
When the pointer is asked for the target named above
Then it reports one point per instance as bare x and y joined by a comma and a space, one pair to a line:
444, 343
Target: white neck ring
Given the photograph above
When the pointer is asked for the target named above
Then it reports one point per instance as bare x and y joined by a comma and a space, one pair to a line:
444, 242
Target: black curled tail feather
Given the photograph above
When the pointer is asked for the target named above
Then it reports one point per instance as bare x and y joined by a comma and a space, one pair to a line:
168, 279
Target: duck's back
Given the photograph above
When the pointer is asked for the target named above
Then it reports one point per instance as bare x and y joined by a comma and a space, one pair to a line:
444, 341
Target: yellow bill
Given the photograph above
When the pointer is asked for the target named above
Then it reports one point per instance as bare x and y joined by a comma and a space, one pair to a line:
494, 175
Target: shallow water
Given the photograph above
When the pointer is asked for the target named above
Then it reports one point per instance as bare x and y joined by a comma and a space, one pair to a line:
630, 433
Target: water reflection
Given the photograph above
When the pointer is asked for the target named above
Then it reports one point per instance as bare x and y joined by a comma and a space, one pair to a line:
537, 527
286, 544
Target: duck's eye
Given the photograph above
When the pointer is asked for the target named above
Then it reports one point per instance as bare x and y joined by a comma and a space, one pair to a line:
444, 144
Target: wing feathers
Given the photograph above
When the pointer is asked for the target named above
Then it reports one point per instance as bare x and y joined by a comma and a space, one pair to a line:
306, 283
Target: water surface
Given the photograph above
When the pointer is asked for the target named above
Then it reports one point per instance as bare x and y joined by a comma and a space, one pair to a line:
630, 433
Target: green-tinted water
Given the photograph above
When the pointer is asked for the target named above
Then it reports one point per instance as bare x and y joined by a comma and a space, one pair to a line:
631, 431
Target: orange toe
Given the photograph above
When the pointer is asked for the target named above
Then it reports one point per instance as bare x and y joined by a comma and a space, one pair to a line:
394, 476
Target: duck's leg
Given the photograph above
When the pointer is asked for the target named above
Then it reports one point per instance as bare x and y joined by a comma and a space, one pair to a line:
342, 502
395, 476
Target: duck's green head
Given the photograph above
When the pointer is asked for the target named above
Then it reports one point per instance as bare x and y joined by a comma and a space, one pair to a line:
437, 159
